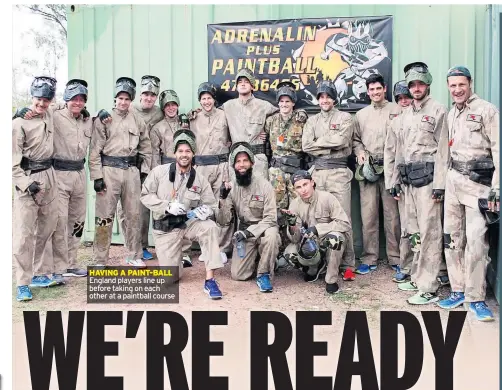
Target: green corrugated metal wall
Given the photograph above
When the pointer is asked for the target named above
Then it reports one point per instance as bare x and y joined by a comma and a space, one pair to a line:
170, 41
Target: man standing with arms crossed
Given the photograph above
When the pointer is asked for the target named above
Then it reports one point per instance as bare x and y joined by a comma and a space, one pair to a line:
370, 131
328, 137
119, 151
473, 173
420, 127
151, 114
403, 98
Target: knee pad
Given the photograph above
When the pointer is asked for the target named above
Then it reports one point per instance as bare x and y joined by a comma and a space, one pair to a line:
104, 221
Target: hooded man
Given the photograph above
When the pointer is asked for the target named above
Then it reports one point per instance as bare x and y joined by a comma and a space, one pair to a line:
252, 198
183, 207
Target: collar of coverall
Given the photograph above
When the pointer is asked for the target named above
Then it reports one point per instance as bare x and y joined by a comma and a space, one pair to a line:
381, 104
170, 120
123, 114
245, 103
70, 115
422, 105
211, 112
141, 109
470, 100
327, 114
288, 117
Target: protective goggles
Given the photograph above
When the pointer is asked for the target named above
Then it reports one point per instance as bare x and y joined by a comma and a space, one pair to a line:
40, 81
417, 68
155, 81
72, 85
168, 92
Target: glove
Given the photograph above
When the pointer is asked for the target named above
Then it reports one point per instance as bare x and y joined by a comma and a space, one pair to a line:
301, 116
438, 194
192, 114
85, 113
242, 235
21, 112
333, 241
224, 191
184, 121
176, 208
103, 115
142, 177
291, 218
34, 188
311, 231
396, 190
494, 200
99, 185
203, 212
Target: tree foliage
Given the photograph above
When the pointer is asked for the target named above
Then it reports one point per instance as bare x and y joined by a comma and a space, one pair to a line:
55, 13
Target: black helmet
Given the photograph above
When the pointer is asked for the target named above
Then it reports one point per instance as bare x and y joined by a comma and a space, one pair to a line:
328, 87
401, 88
492, 217
286, 88
127, 85
206, 87
43, 87
74, 88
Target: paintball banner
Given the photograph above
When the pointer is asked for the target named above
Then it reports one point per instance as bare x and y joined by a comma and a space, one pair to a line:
305, 52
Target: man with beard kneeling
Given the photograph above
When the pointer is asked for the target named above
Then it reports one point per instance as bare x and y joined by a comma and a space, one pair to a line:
253, 199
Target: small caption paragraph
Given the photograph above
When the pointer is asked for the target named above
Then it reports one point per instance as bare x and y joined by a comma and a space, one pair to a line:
130, 285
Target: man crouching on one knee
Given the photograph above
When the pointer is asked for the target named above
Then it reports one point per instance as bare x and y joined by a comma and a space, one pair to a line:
253, 199
182, 202
318, 226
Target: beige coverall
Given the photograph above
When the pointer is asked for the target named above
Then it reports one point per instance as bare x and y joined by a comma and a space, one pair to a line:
71, 142
256, 210
417, 141
35, 218
370, 130
151, 118
161, 137
212, 138
328, 135
473, 134
125, 136
324, 212
156, 194
246, 120
405, 253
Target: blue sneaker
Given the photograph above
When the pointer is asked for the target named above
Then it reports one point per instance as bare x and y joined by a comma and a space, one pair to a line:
59, 279
42, 281
263, 283
211, 288
147, 255
364, 269
454, 300
396, 268
400, 277
23, 294
481, 310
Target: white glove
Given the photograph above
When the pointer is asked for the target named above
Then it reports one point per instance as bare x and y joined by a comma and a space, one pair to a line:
203, 212
176, 208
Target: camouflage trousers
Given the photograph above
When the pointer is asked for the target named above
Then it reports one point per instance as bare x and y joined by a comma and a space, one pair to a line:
465, 238
338, 182
405, 253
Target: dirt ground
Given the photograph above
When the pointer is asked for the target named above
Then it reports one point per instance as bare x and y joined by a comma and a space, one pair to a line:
372, 293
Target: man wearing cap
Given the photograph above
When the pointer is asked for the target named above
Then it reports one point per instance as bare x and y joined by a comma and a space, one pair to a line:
253, 199
162, 138
316, 215
422, 173
370, 131
246, 117
171, 191
36, 192
119, 160
213, 140
328, 137
285, 134
403, 98
472, 147
151, 114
